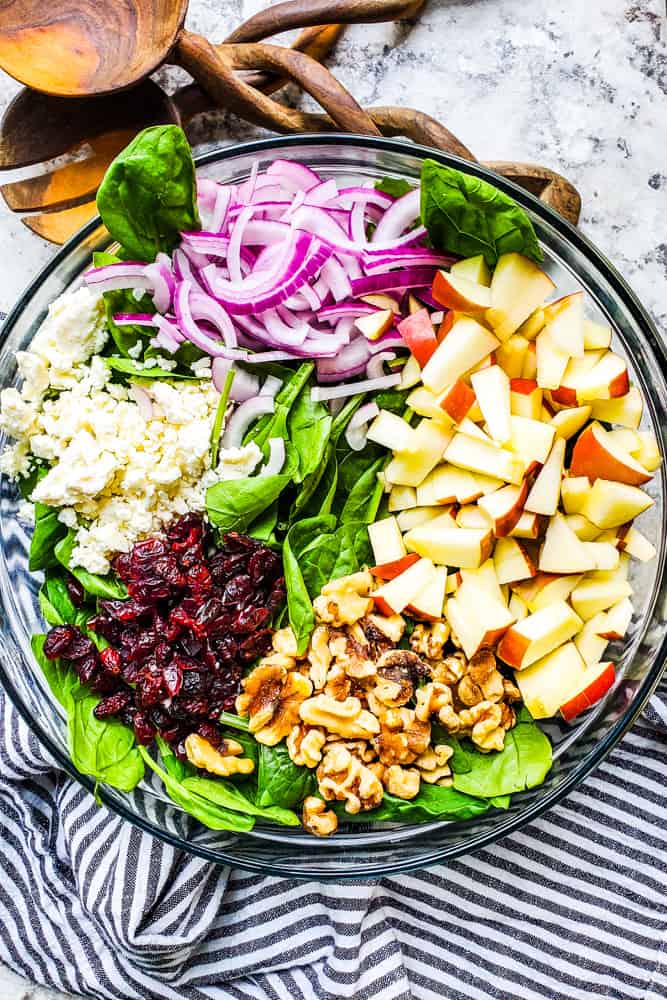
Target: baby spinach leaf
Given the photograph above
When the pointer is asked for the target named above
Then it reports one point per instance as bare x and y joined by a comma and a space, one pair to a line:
49, 613
122, 300
154, 373
318, 489
264, 528
308, 429
280, 780
395, 186
432, 802
148, 195
299, 602
226, 794
98, 586
466, 215
234, 721
523, 763
333, 555
102, 748
363, 500
233, 504
274, 424
48, 531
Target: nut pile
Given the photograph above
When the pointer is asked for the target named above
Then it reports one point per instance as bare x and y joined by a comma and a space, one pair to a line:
360, 709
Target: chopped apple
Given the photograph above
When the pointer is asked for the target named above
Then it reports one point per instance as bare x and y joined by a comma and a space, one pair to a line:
632, 541
545, 491
457, 400
528, 526
619, 575
456, 292
529, 369
419, 336
533, 325
546, 588
573, 493
428, 443
448, 484
596, 335
512, 561
426, 404
525, 398
492, 390
608, 379
562, 552
477, 619
375, 324
386, 540
409, 519
648, 454
472, 516
391, 431
453, 582
429, 602
469, 427
625, 439
477, 456
597, 680
597, 456
466, 344
618, 620
518, 607
504, 507
411, 373
451, 546
531, 439
518, 287
401, 498
512, 354
591, 596
472, 269
551, 681
390, 570
606, 555
486, 579
538, 634
551, 361
589, 641
395, 595
565, 323
569, 421
382, 301
584, 529
610, 504
625, 410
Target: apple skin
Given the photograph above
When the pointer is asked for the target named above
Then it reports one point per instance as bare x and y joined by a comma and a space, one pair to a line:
595, 689
454, 292
419, 336
389, 570
591, 458
507, 520
458, 400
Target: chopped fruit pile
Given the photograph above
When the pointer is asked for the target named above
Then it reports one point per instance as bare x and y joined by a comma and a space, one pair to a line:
513, 491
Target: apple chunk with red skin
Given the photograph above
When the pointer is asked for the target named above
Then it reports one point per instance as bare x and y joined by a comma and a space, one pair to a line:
419, 336
456, 292
539, 634
551, 681
395, 595
457, 400
565, 323
476, 617
390, 570
504, 507
518, 288
597, 680
597, 456
466, 344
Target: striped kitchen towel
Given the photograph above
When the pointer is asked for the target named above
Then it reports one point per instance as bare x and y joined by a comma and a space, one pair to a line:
572, 907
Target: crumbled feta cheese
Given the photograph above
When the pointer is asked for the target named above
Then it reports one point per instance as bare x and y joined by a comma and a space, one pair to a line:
67, 516
238, 463
72, 332
167, 364
201, 368
17, 417
136, 349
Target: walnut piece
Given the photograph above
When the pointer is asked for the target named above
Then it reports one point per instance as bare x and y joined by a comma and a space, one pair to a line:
362, 749
346, 718
485, 720
483, 681
304, 745
403, 782
317, 819
450, 670
433, 765
383, 629
319, 657
338, 685
352, 656
344, 601
402, 738
343, 777
430, 640
271, 698
225, 761
431, 699
284, 641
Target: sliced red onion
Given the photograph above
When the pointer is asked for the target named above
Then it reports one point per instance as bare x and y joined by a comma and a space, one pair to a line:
345, 310
142, 399
244, 386
398, 217
391, 339
349, 362
407, 277
322, 193
271, 386
313, 219
209, 244
221, 207
399, 258
335, 277
358, 223
280, 334
187, 325
375, 367
162, 282
247, 190
268, 356
356, 433
134, 319
319, 394
293, 176
128, 274
242, 417
234, 249
203, 307
276, 459
426, 296
207, 191
366, 195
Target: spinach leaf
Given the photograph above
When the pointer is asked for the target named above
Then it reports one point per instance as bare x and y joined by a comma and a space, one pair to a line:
342, 418
47, 533
264, 528
395, 186
98, 586
308, 430
299, 602
392, 399
122, 300
154, 373
148, 195
318, 489
275, 424
523, 763
280, 780
467, 216
335, 554
233, 721
212, 815
226, 794
104, 749
432, 802
233, 504
363, 500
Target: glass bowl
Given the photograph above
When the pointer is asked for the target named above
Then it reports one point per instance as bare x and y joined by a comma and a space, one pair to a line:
361, 851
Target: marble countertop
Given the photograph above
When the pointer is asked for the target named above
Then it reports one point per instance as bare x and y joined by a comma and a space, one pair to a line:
578, 87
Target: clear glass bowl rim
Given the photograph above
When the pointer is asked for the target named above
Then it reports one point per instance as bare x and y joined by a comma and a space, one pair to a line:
625, 722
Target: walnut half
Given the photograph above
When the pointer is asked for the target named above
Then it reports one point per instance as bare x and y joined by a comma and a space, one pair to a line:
346, 718
271, 698
225, 761
317, 818
343, 777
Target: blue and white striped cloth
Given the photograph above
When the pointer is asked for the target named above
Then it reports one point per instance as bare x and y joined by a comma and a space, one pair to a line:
572, 907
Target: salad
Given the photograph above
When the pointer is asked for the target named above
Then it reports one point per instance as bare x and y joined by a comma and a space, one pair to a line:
333, 498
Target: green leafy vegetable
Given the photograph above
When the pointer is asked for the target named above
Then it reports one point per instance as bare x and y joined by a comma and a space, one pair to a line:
149, 194
234, 721
308, 428
363, 500
395, 186
47, 533
233, 504
216, 430
154, 373
98, 586
280, 780
264, 528
104, 749
467, 216
299, 603
275, 424
432, 802
226, 794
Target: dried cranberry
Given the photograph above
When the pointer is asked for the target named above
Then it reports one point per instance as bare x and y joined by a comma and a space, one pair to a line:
125, 611
143, 730
87, 668
211, 733
251, 620
59, 640
173, 679
113, 705
111, 660
77, 594
150, 689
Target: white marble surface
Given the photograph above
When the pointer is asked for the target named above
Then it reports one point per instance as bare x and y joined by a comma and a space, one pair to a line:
578, 86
